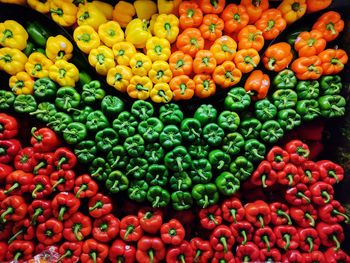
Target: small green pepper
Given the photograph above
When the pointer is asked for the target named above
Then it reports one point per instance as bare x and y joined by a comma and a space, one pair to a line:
254, 150
25, 104
137, 167
134, 145
158, 196
85, 151
190, 129
233, 143
271, 132
250, 128
205, 194
171, 114
205, 114
198, 150
99, 169
241, 168
308, 89
117, 157
154, 152
117, 182
289, 119
150, 129
92, 93
237, 99
181, 200
332, 106
170, 137
7, 99
44, 111
229, 121
178, 159
219, 160
284, 98
29, 49
138, 191
125, 124
213, 134
285, 80
142, 110
180, 181
67, 97
331, 85
201, 171
96, 121
106, 139
112, 106
84, 78
59, 121
74, 133
157, 174
265, 110
80, 115
227, 183
45, 89
308, 109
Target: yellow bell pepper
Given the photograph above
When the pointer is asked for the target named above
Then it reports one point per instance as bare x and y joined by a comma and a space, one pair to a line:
86, 38
21, 83
88, 14
160, 72
139, 87
17, 2
39, 5
64, 73
167, 26
292, 10
111, 33
13, 35
152, 22
119, 77
140, 64
12, 60
38, 65
58, 47
123, 13
105, 8
63, 13
145, 9
102, 58
158, 48
123, 52
137, 33
168, 7
161, 93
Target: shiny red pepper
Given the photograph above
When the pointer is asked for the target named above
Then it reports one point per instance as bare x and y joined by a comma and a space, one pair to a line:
5, 170
64, 158
264, 238
322, 193
247, 253
309, 240
151, 219
24, 160
49, 232
93, 252
309, 172
77, 227
272, 255
8, 127
3, 250
304, 215
130, 229
62, 180
121, 252
64, 205
40, 187
222, 239
221, 256
13, 208
172, 232
330, 173
287, 237
243, 231
22, 230
85, 186
39, 211
70, 252
202, 251
333, 213
289, 175
106, 228
44, 140
43, 163
314, 256
9, 149
210, 217
263, 175
330, 235
298, 195
258, 213
279, 214
18, 182
278, 158
150, 250
334, 256
298, 152
100, 205
292, 256
232, 210
180, 254
20, 250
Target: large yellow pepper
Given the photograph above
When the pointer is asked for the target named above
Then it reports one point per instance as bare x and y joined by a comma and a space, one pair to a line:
139, 87
140, 64
21, 83
145, 9
13, 35
12, 60
292, 10
64, 73
88, 14
105, 8
152, 22
123, 13
123, 52
63, 13
86, 38
102, 58
168, 7
158, 48
40, 5
58, 47
137, 32
161, 93
38, 65
111, 33
160, 72
167, 26
119, 77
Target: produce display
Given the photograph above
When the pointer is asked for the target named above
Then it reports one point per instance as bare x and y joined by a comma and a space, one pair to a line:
103, 159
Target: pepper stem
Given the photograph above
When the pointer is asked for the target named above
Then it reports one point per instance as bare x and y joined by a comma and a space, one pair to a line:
206, 201
284, 214
330, 27
68, 253
301, 195
267, 242
326, 195
13, 187
98, 170
179, 184
224, 243
129, 230
245, 238
182, 258
332, 174
17, 256
37, 213
59, 181
179, 164
98, 204
271, 63
36, 137
290, 179
151, 255
61, 213
263, 180
310, 242
9, 210
198, 254
15, 236
309, 175
93, 256
336, 212
133, 170
115, 162
286, 237
336, 241
246, 258
39, 166
38, 187
312, 220
77, 233
212, 218
82, 188
221, 164
61, 161
156, 202
261, 220
233, 213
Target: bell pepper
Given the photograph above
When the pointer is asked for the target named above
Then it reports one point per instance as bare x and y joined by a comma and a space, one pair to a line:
287, 237
64, 73
246, 59
204, 62
142, 110
277, 57
86, 38
20, 250
335, 256
117, 182
58, 47
145, 9
12, 60
63, 13
140, 64
309, 172
88, 14
8, 150
254, 150
235, 18
190, 41
105, 228
304, 215
161, 92
271, 23
130, 229
121, 251
106, 139
38, 65
298, 195
190, 15
272, 255
181, 200
330, 24
200, 171
180, 181
96, 121
233, 142
289, 175
241, 168
250, 37
213, 134
201, 250
63, 180
248, 252
99, 205
229, 121
8, 126
308, 89
92, 92
150, 249
13, 35
85, 187
150, 219
125, 124
178, 159
308, 109
158, 49
226, 75
257, 85
219, 160
307, 67
44, 112
292, 10
264, 175
211, 27
222, 239
284, 98
123, 13
6, 99
258, 213
5, 231
13, 208
285, 80
237, 99
67, 97
5, 170
172, 232
170, 114
210, 217
309, 240
42, 7
322, 193
102, 58
330, 235
112, 105
310, 43
271, 131
137, 33
330, 85
279, 214
39, 211
298, 151
44, 89
227, 183
140, 87
157, 174
205, 194
224, 49
93, 251
333, 213
18, 182
158, 196
183, 87
182, 252
64, 205
255, 9
77, 227
64, 159
138, 191
40, 186
69, 251
264, 238
332, 106
180, 63
167, 27
123, 52
232, 210
314, 256
265, 110
85, 151
170, 137
22, 230
330, 172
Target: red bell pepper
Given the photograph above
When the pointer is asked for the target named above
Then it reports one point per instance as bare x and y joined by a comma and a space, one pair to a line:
130, 229
9, 149
100, 205
278, 158
247, 253
49, 232
5, 231
3, 250
232, 210
309, 172
298, 195
298, 152
44, 140
64, 158
106, 228
322, 193
70, 252
85, 186
180, 254
287, 237
222, 239
8, 127
334, 256
330, 173
202, 250
151, 219
292, 256
64, 205
309, 240
5, 170
62, 180
13, 208
264, 238
210, 217
2, 195
22, 230
272, 255
258, 213
77, 227
279, 214
150, 250
289, 175
304, 216
172, 232
18, 182
20, 250
39, 211
42, 248
43, 163
24, 160
221, 256
333, 213
40, 186
93, 252
121, 252
330, 235
263, 175
314, 256
242, 231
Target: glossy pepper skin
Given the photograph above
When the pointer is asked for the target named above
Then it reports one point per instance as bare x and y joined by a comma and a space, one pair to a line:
258, 213
222, 238
280, 214
121, 251
201, 250
18, 183
333, 213
62, 180
20, 250
330, 85
309, 240
264, 175
93, 251
248, 252
330, 235
277, 56
150, 219
287, 237
130, 229
205, 194
150, 249
70, 251
304, 215
39, 211
298, 151
210, 217
64, 205
264, 238
243, 231
158, 196
99, 205
332, 106
232, 210
49, 232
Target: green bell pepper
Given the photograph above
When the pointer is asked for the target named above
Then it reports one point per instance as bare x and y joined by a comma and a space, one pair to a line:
25, 104
250, 128
92, 93
171, 114
219, 160
332, 106
96, 121
134, 145
200, 172
67, 97
308, 109
84, 78
117, 157
198, 150
180, 181
137, 167
190, 129
44, 111
37, 33
29, 49
125, 124
285, 79
178, 159
206, 113
181, 200
227, 183
157, 174
237, 99
45, 89
59, 121
289, 119
150, 129
205, 194
74, 133
284, 98
142, 110
154, 153
85, 151
331, 85
170, 137
271, 132
229, 121
241, 168
117, 182
106, 139
138, 191
112, 106
99, 169
158, 196
265, 110
308, 89
7, 99
254, 150
233, 143
80, 115
213, 134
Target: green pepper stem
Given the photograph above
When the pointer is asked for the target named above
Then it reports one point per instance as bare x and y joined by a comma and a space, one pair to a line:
133, 170
212, 218
249, 60
104, 227
224, 243
7, 34
77, 233
245, 238
93, 255
97, 205
290, 179
179, 163
229, 75
59, 181
68, 253
15, 236
82, 188
98, 170
301, 195
17, 256
221, 164
63, 209
37, 213
9, 210
198, 254
286, 238
326, 195
225, 48
310, 242
38, 187
182, 258
332, 174
271, 63
284, 214
134, 191
309, 175
61, 161
267, 242
179, 184
36, 137
13, 187
336, 212
179, 64
261, 220
246, 258
330, 27
312, 220
206, 201
233, 213
151, 255
263, 180
336, 241
195, 133
57, 11
39, 166
37, 112
156, 202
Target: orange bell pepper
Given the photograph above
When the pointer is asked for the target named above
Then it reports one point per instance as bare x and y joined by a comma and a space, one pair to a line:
310, 43
235, 18
211, 27
247, 59
278, 56
257, 85
307, 67
255, 8
333, 61
182, 87
271, 23
317, 5
212, 6
204, 62
205, 86
250, 37
227, 75
330, 24
190, 41
224, 49
292, 10
190, 15
180, 63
